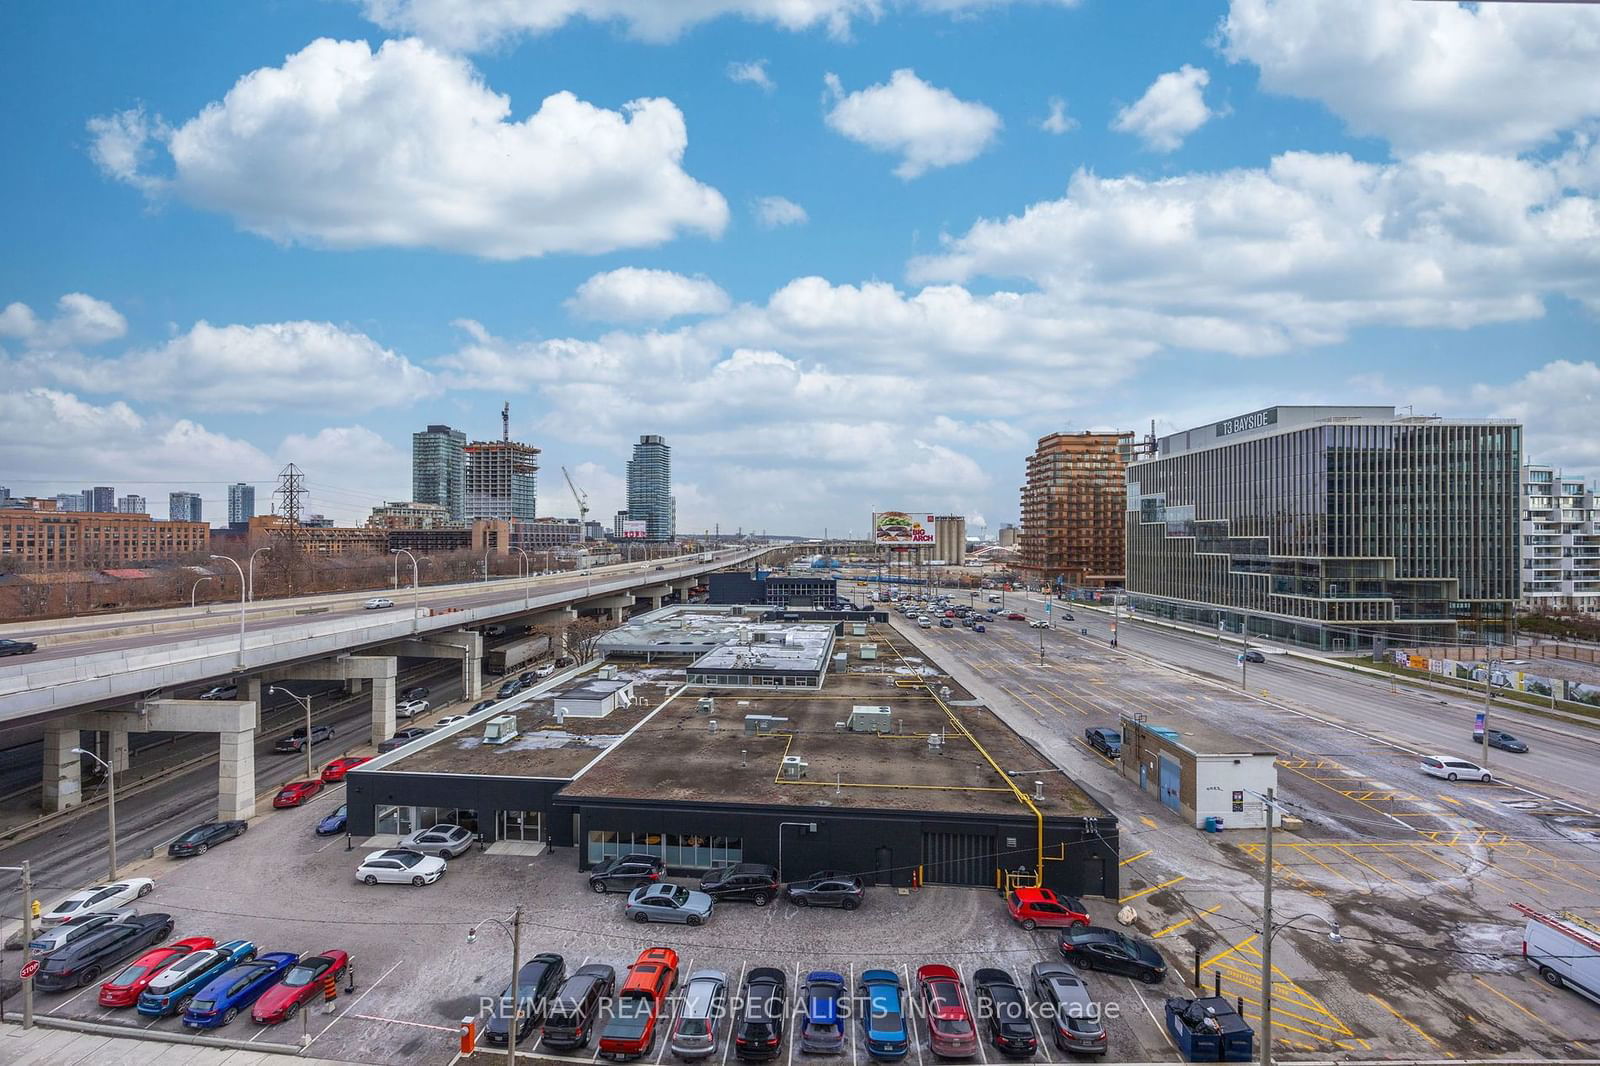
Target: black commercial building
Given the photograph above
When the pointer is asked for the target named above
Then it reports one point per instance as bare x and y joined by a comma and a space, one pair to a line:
774, 589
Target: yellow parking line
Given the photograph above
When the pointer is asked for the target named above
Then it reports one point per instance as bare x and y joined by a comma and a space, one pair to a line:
1150, 823
1133, 858
1179, 925
1529, 1013
1407, 1022
1152, 888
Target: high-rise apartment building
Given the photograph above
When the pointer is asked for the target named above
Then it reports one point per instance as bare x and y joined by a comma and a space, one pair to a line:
439, 469
132, 503
1330, 527
1560, 541
102, 499
502, 480
650, 497
183, 507
1074, 510
241, 503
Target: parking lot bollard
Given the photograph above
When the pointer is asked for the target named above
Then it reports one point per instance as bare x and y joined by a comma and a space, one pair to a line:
1197, 967
1217, 984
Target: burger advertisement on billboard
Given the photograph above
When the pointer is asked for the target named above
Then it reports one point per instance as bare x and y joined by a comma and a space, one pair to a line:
902, 529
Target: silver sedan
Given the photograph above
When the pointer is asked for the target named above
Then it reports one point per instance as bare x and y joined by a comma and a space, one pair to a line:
668, 903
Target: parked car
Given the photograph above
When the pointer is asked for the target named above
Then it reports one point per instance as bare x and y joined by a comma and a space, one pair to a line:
1074, 1015
626, 872
296, 741
107, 897
883, 1020
220, 692
946, 623
336, 769
575, 1008
822, 1021
302, 984
1106, 741
335, 822
1095, 948
980, 628
1250, 655
1499, 738
1038, 623
406, 709
951, 1032
444, 840
1453, 769
1035, 907
296, 793
482, 705
170, 990
17, 647
538, 978
416, 692
1065, 616
828, 888
631, 1030
85, 959
668, 903
564, 661
397, 866
450, 719
402, 738
59, 936
1004, 1010
1015, 617
924, 622
236, 988
378, 603
748, 881
702, 1006
125, 987
509, 689
202, 838
758, 1031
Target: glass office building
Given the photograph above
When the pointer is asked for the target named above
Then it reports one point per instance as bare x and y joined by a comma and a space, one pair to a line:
1330, 527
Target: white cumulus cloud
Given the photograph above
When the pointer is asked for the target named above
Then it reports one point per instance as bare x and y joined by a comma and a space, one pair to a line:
1058, 121
1172, 108
343, 147
775, 211
80, 320
753, 72
926, 126
634, 295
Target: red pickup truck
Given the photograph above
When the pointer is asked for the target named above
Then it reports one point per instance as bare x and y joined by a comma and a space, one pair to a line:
631, 1032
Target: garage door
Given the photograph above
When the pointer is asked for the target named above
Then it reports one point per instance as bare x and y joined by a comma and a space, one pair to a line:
958, 859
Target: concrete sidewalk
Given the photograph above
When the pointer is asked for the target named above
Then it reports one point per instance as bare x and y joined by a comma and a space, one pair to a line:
62, 1047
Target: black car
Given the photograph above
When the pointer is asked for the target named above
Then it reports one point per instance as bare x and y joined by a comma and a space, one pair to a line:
202, 838
535, 981
749, 881
296, 741
1004, 1012
827, 888
626, 872
17, 647
84, 960
1253, 656
758, 1032
564, 661
1502, 740
482, 705
570, 1020
415, 692
1091, 947
1107, 742
402, 738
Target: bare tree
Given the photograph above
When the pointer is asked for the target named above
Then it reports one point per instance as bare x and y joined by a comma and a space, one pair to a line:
585, 633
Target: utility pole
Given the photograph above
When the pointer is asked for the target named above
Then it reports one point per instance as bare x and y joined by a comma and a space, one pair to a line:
1266, 941
516, 993
27, 936
1488, 695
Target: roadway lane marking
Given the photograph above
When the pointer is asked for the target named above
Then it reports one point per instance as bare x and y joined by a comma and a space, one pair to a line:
1179, 925
1409, 1024
1153, 888
1135, 858
1559, 1034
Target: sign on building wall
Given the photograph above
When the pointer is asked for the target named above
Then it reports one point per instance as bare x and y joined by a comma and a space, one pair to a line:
633, 529
902, 529
1244, 423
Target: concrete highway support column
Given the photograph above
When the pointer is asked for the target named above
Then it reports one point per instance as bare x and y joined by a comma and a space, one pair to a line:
236, 775
382, 709
63, 773
652, 595
614, 606
464, 644
250, 692
234, 721
379, 669
118, 743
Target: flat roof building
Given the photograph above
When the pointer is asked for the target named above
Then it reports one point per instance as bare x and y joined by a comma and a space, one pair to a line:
1073, 519
72, 540
439, 469
1330, 527
1560, 541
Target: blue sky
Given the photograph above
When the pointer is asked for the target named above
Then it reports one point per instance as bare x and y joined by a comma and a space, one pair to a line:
845, 254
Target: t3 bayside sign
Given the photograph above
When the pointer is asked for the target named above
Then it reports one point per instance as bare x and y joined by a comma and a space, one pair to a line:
1244, 423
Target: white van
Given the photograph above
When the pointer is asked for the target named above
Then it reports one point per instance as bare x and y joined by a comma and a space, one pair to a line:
1565, 950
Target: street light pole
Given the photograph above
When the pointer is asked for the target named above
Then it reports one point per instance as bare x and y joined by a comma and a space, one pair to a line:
416, 579
111, 807
527, 578
242, 592
27, 936
196, 588
1266, 946
516, 967
252, 582
1244, 656
304, 701
1488, 695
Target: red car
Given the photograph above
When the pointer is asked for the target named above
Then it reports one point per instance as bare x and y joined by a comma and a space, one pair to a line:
336, 770
295, 793
1015, 617
123, 989
951, 1034
301, 985
1033, 907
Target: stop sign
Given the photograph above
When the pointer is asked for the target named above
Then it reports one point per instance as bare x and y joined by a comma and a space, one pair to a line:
29, 968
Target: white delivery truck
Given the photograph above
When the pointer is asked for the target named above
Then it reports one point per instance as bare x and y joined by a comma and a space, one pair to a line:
1565, 949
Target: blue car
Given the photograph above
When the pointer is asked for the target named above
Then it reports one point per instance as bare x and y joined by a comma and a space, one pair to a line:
333, 823
883, 1020
171, 989
822, 1031
219, 1002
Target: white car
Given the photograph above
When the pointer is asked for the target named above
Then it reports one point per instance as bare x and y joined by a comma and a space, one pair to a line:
449, 719
220, 692
106, 897
444, 840
1039, 623
545, 671
1452, 769
410, 708
397, 866
378, 603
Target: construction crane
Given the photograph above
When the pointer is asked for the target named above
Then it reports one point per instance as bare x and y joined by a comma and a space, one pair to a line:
579, 495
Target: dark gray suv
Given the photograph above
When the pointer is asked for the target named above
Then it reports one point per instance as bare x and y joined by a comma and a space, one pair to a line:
749, 881
84, 960
626, 872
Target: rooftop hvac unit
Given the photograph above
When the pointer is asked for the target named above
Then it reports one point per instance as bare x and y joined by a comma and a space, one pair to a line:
607, 673
840, 660
869, 651
706, 705
858, 629
935, 743
841, 727
760, 724
500, 728
793, 767
944, 692
869, 719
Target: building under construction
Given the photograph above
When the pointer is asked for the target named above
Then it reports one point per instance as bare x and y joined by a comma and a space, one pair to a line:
1074, 510
502, 476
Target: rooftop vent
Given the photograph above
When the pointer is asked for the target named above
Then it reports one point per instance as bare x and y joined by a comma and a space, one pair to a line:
706, 705
793, 767
761, 724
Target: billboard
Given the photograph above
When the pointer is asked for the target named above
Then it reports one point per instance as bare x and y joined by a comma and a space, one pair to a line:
902, 529
633, 529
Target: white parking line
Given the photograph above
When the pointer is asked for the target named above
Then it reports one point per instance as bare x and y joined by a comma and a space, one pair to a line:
796, 1014
669, 1012
365, 993
1164, 1034
727, 1036
1047, 1040
911, 1025
970, 988
855, 1011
